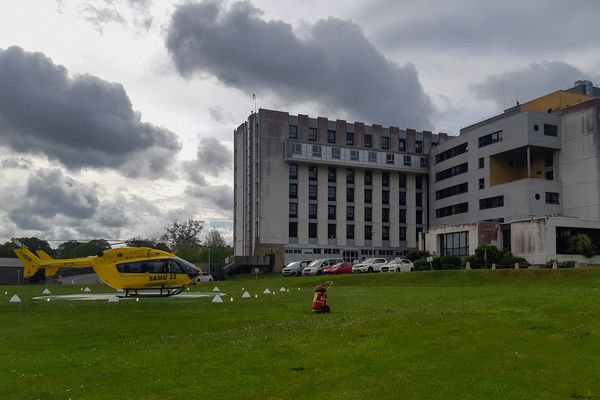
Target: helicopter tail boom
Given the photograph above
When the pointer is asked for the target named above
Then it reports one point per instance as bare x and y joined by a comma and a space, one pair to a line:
31, 262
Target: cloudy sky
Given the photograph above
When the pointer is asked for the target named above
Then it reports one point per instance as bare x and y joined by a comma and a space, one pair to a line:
116, 116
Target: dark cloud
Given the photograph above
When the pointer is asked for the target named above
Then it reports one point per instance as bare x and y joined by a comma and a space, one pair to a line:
212, 158
334, 64
537, 79
513, 26
219, 115
82, 121
220, 196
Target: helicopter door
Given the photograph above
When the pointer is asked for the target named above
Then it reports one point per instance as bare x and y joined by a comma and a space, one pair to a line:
174, 268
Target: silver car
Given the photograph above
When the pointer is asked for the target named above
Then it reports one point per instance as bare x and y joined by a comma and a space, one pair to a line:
316, 267
369, 265
398, 265
295, 268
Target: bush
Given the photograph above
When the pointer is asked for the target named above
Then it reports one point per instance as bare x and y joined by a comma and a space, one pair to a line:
581, 244
510, 260
493, 254
421, 265
471, 259
416, 255
564, 264
449, 262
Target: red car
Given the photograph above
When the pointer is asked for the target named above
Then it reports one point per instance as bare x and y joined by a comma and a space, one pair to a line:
339, 268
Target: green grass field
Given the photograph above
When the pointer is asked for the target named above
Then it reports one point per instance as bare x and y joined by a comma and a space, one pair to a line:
527, 334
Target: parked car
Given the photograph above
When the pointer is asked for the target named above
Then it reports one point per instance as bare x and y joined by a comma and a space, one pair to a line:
316, 267
398, 265
339, 268
204, 277
295, 268
369, 265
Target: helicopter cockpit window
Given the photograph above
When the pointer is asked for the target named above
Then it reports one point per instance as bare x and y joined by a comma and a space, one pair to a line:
174, 268
186, 267
146, 266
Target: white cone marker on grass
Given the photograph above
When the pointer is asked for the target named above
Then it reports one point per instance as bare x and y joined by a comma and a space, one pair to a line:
282, 289
216, 289
15, 299
217, 299
267, 291
113, 299
246, 295
46, 291
87, 289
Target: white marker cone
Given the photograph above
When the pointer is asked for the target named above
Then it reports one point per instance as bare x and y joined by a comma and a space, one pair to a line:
46, 291
267, 291
15, 299
216, 289
113, 299
217, 299
87, 289
282, 289
246, 295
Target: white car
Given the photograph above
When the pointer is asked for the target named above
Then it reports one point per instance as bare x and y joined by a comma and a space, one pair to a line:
369, 265
294, 268
204, 277
316, 267
398, 265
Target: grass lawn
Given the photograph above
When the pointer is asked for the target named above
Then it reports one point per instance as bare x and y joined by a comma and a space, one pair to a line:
504, 334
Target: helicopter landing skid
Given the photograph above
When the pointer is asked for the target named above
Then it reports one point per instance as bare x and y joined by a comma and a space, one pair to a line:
163, 292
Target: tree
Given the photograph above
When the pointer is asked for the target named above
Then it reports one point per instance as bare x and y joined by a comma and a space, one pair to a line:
139, 241
214, 239
186, 233
74, 249
581, 244
492, 253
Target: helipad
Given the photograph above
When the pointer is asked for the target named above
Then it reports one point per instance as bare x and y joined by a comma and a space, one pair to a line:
107, 296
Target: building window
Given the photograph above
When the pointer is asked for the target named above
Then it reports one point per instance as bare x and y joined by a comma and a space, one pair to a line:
481, 183
354, 155
423, 161
418, 147
385, 197
402, 235
450, 172
350, 176
312, 173
419, 199
385, 215
331, 175
491, 202
312, 192
549, 158
312, 134
331, 231
550, 130
312, 211
331, 212
450, 153
350, 195
418, 181
385, 179
385, 142
368, 214
297, 148
452, 191
316, 151
293, 229
312, 230
419, 216
455, 244
552, 198
402, 144
330, 136
293, 210
368, 196
452, 210
490, 139
408, 161
368, 178
350, 213
402, 180
336, 152
293, 190
331, 193
373, 156
349, 139
350, 232
293, 131
368, 140
293, 171
549, 175
402, 198
385, 233
368, 232
481, 162
402, 216
389, 159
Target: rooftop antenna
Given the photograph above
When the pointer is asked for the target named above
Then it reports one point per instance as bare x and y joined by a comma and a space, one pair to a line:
254, 98
517, 95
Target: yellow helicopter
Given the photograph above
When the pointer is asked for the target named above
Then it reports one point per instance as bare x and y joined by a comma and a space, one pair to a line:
132, 269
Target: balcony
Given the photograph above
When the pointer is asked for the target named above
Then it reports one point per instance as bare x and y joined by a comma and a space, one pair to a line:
343, 156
